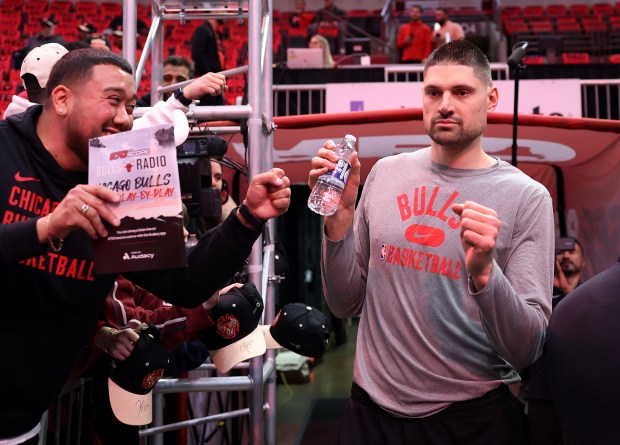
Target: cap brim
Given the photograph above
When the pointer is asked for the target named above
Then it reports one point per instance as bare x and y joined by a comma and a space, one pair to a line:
252, 345
129, 408
270, 342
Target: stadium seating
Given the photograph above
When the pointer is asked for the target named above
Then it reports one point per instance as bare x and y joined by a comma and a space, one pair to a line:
556, 10
582, 58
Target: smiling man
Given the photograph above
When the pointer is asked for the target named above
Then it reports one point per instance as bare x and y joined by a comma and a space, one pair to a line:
51, 297
448, 261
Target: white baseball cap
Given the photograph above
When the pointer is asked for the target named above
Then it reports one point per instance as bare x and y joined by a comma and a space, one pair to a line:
40, 60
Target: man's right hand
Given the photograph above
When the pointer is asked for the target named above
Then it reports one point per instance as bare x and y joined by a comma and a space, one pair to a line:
84, 207
337, 225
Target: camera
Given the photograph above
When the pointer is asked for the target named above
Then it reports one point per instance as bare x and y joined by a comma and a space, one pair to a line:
193, 159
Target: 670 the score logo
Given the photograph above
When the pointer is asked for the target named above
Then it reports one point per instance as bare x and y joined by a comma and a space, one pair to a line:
129, 153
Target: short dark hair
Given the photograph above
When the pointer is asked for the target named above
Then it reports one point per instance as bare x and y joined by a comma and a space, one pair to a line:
462, 52
76, 67
418, 7
180, 61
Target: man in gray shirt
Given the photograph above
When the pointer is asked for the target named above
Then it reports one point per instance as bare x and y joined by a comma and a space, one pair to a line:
448, 260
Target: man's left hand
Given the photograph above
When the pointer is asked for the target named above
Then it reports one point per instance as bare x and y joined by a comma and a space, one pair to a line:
479, 229
211, 83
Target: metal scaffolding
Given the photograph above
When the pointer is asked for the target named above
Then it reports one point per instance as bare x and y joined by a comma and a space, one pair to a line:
261, 380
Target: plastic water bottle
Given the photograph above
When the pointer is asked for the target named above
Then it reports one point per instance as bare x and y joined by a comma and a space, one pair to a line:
325, 195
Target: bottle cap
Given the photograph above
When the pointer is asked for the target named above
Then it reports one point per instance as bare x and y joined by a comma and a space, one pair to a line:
351, 137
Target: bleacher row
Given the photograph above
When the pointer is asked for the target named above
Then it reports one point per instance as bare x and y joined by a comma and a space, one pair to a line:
576, 33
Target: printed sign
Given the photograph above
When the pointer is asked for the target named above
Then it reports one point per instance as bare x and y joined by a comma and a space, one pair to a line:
140, 166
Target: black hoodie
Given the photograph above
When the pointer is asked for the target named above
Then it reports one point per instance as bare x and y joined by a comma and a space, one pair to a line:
50, 301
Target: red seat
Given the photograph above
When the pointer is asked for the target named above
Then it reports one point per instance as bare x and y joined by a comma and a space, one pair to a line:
512, 25
358, 13
556, 10
328, 31
614, 58
508, 11
593, 25
297, 32
603, 9
111, 9
576, 58
533, 60
566, 20
541, 27
568, 27
37, 7
379, 59
13, 3
579, 10
60, 6
307, 17
533, 11
86, 7
468, 10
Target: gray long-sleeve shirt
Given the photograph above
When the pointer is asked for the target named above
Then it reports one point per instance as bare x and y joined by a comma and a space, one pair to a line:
425, 339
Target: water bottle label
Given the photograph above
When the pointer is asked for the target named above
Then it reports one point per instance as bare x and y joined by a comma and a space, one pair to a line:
341, 172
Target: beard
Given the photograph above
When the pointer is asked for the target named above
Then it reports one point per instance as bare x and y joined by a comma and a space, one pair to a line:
569, 268
77, 141
456, 137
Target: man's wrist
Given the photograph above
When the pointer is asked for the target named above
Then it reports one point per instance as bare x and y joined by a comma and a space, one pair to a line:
248, 219
180, 96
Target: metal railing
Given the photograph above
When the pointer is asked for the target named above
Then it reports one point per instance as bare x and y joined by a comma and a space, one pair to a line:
414, 72
600, 99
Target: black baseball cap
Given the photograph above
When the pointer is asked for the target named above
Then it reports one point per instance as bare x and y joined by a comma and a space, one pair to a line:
299, 328
235, 335
131, 380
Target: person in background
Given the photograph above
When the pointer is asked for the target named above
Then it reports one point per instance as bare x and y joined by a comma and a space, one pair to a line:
47, 258
34, 72
295, 20
85, 30
117, 23
414, 38
99, 41
329, 14
46, 35
569, 263
582, 360
206, 54
328, 21
543, 423
452, 283
176, 69
445, 29
117, 41
218, 181
318, 41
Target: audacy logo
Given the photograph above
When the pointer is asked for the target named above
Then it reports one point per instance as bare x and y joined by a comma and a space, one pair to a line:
138, 256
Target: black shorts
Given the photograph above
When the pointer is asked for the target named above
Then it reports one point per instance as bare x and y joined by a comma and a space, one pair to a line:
492, 419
